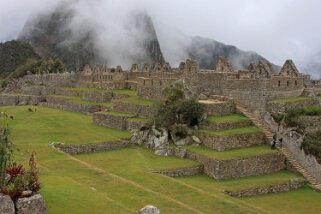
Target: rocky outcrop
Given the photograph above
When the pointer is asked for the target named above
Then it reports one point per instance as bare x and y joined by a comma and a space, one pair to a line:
34, 204
153, 138
149, 209
6, 205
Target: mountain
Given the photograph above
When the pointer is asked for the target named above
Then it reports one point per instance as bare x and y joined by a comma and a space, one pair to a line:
313, 66
207, 52
13, 54
54, 35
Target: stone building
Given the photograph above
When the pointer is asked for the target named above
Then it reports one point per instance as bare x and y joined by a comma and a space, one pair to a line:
253, 87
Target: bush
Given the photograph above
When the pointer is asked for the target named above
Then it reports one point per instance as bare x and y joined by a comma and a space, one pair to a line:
177, 109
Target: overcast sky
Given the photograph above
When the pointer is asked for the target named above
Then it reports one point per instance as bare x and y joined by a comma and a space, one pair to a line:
276, 29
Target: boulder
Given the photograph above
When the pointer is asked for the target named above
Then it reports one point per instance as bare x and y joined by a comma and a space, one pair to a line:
149, 209
196, 139
6, 205
34, 204
202, 97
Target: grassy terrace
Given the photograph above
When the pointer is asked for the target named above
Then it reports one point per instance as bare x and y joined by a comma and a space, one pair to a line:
233, 118
209, 184
237, 131
116, 91
119, 114
232, 154
81, 101
140, 101
291, 99
119, 181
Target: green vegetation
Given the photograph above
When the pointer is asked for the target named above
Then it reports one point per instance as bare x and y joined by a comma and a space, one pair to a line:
237, 131
137, 100
119, 181
128, 92
312, 145
5, 151
13, 54
178, 109
209, 184
233, 153
291, 118
232, 118
291, 99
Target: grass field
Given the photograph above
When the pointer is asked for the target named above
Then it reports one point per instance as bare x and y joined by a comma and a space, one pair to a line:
236, 131
120, 181
232, 118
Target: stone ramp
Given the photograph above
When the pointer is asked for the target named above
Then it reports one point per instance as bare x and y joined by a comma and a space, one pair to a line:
269, 134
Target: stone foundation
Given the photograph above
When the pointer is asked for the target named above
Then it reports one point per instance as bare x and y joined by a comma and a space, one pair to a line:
98, 97
131, 125
284, 187
219, 108
222, 143
133, 108
223, 126
111, 121
90, 148
189, 171
14, 100
236, 168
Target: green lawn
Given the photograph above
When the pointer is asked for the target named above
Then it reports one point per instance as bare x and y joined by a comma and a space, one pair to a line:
120, 182
81, 101
140, 101
209, 184
237, 131
232, 118
128, 92
291, 99
233, 153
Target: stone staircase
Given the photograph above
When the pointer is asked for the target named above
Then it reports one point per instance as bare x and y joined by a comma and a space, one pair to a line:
269, 134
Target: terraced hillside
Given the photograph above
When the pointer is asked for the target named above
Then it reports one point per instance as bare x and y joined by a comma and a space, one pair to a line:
234, 153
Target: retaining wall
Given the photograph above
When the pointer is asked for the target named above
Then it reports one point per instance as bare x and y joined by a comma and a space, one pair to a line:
222, 143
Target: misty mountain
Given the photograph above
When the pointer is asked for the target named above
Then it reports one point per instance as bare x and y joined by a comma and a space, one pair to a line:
313, 66
54, 35
13, 54
207, 52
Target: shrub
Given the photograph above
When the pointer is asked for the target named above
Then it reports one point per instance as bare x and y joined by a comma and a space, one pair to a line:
5, 153
178, 109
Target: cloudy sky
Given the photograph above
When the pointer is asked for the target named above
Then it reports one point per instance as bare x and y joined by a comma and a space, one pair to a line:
276, 29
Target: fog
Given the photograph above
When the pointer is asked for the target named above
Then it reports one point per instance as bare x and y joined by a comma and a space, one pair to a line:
277, 30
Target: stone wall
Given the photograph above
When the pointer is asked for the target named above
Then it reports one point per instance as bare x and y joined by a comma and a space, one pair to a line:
96, 96
135, 109
93, 147
235, 168
292, 142
68, 105
152, 88
284, 187
217, 108
189, 171
222, 143
34, 84
223, 126
134, 125
13, 100
111, 121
